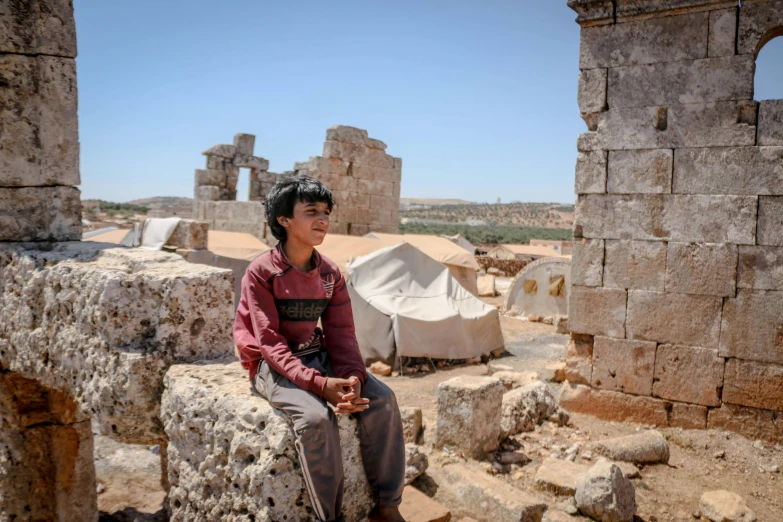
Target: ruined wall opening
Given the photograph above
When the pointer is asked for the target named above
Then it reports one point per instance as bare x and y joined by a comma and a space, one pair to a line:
243, 185
46, 453
768, 80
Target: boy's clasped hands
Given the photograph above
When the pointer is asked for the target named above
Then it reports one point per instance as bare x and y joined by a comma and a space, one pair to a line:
345, 395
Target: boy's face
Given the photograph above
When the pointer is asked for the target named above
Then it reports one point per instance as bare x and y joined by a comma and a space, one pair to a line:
309, 223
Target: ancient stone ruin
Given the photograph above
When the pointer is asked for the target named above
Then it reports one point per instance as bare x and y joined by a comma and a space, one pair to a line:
364, 179
676, 311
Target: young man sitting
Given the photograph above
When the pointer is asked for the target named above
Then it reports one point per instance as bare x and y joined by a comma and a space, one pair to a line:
302, 369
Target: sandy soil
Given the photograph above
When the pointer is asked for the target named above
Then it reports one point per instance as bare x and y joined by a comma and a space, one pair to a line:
129, 476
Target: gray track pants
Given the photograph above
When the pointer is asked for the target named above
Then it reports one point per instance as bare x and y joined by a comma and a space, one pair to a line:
318, 442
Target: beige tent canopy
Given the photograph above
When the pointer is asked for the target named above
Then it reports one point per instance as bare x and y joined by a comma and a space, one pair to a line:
407, 304
529, 252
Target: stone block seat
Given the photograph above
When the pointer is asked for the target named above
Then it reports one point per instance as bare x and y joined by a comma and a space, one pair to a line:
231, 456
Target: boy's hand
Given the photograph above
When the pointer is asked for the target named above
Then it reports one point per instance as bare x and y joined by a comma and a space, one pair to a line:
345, 395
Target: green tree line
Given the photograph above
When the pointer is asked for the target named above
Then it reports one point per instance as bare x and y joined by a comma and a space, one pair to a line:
487, 234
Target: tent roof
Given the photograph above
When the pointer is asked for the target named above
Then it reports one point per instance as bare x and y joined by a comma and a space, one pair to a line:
112, 236
237, 245
530, 250
438, 248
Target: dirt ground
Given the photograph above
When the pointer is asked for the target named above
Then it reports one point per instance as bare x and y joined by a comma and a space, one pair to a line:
129, 476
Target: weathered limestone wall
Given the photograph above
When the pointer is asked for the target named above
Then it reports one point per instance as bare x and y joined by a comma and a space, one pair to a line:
677, 278
39, 141
364, 179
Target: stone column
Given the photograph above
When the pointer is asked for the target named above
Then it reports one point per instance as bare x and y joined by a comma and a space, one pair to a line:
39, 142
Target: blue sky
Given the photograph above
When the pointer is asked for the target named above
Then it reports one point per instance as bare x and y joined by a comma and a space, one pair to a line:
478, 98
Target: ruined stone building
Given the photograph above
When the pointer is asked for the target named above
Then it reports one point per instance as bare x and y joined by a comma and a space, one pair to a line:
676, 311
364, 179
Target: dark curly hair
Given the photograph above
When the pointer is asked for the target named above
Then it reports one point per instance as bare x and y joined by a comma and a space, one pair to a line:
289, 191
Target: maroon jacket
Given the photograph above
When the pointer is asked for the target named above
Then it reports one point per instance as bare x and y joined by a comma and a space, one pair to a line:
277, 320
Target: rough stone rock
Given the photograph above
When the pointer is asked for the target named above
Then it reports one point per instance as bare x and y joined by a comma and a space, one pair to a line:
755, 384
230, 453
525, 407
411, 423
558, 371
556, 515
418, 507
668, 217
623, 365
40, 214
640, 172
692, 320
698, 268
591, 172
770, 221
649, 447
559, 476
682, 82
40, 142
605, 494
579, 359
760, 268
587, 262
616, 406
597, 311
494, 367
642, 43
190, 235
750, 326
592, 91
725, 506
638, 265
416, 462
221, 151
511, 379
628, 469
717, 124
729, 170
486, 286
104, 323
469, 413
497, 499
380, 368
771, 122
689, 374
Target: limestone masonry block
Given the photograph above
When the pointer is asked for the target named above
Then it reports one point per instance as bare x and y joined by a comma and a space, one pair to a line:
755, 384
104, 323
38, 27
207, 192
216, 178
250, 162
751, 422
346, 134
190, 235
688, 374
39, 144
771, 122
623, 365
358, 154
640, 171
221, 151
375, 144
723, 32
611, 405
668, 39
40, 214
752, 325
587, 262
732, 170
770, 221
469, 413
230, 453
692, 218
597, 311
244, 143
579, 359
592, 91
688, 416
216, 163
716, 124
701, 268
591, 172
593, 12
640, 265
756, 22
760, 268
696, 81
692, 320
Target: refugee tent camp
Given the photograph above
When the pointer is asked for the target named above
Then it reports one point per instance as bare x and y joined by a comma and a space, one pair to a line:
407, 304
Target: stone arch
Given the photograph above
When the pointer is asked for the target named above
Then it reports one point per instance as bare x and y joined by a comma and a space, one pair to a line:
46, 453
768, 68
541, 288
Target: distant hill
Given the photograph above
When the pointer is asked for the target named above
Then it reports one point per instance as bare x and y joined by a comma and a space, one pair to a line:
160, 201
406, 202
544, 215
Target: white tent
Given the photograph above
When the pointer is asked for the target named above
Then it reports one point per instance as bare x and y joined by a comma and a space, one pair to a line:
407, 304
